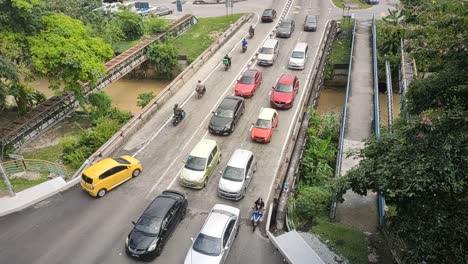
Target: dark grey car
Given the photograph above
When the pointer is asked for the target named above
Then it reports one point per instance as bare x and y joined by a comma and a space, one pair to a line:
227, 115
286, 28
310, 23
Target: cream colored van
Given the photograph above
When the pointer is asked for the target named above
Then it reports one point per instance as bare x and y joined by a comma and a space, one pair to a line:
298, 57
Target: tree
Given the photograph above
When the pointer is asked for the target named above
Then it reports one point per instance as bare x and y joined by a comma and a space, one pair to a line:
131, 24
422, 167
153, 25
78, 9
65, 52
8, 74
25, 97
164, 57
145, 98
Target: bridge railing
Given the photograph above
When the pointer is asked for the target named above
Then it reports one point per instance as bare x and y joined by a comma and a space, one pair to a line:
13, 167
339, 156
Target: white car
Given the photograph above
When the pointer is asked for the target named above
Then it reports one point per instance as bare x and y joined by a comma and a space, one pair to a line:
212, 244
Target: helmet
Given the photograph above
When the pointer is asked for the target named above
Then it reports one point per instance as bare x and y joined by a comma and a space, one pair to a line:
199, 81
176, 105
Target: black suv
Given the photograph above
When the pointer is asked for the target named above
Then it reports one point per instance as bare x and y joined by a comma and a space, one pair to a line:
155, 225
286, 28
268, 15
226, 116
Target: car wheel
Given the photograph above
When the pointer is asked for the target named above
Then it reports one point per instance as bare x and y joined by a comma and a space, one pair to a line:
136, 173
183, 214
205, 182
159, 248
170, 12
101, 193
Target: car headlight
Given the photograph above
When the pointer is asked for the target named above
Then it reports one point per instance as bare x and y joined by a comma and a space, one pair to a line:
228, 126
152, 247
92, 186
126, 242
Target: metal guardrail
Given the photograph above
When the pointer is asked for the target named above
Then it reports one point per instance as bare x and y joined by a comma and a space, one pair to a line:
388, 75
23, 165
381, 197
339, 156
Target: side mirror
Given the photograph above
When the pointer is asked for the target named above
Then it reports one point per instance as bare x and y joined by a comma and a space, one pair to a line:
133, 222
253, 124
220, 173
191, 239
226, 248
273, 87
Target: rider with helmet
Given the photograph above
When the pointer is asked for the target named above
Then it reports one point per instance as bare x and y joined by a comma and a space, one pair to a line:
200, 87
178, 111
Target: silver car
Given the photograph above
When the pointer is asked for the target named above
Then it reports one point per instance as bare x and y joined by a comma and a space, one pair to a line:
212, 244
237, 175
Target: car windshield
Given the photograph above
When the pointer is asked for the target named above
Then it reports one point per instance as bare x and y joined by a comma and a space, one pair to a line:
207, 245
224, 113
121, 160
148, 225
246, 80
195, 163
310, 19
233, 174
267, 12
297, 54
284, 88
262, 123
267, 51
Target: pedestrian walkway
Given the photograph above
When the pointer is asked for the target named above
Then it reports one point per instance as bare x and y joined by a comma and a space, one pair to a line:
359, 211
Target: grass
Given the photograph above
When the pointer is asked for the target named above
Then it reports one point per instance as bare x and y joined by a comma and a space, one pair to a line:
348, 242
20, 184
203, 34
361, 3
341, 49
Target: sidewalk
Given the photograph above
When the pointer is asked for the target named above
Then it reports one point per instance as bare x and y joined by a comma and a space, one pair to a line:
359, 211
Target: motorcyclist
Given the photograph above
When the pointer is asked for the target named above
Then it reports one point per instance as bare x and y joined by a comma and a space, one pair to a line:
251, 31
200, 87
177, 111
228, 59
259, 204
244, 43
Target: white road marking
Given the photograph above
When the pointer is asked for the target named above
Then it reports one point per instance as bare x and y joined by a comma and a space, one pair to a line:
292, 125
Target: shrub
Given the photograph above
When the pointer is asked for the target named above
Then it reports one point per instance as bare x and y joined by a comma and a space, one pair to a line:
312, 200
144, 99
153, 25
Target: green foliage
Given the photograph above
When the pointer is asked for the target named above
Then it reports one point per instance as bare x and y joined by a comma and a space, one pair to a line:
312, 201
64, 51
145, 98
164, 57
106, 27
21, 16
100, 106
341, 49
204, 33
153, 25
422, 167
76, 152
26, 98
78, 9
131, 24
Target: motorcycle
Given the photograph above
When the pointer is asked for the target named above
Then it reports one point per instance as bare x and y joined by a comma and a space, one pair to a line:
251, 33
176, 119
200, 92
226, 63
244, 48
256, 216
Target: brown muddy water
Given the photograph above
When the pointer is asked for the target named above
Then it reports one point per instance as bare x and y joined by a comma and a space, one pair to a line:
122, 92
332, 101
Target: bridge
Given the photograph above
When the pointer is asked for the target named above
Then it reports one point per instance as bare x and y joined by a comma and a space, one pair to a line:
54, 109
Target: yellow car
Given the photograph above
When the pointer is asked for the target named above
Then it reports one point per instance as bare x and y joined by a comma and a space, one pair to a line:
109, 173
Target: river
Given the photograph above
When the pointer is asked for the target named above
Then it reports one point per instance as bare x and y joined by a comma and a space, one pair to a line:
122, 92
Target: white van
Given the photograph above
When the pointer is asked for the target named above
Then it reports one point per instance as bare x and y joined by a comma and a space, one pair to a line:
268, 52
299, 56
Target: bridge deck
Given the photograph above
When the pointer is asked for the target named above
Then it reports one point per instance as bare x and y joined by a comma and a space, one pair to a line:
359, 211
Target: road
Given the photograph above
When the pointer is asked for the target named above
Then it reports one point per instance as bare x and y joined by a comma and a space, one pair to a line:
73, 227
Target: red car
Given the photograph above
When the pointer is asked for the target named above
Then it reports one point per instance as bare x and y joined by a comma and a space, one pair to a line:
263, 128
285, 91
248, 83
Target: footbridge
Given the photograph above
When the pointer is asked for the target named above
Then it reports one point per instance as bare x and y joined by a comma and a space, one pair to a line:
56, 108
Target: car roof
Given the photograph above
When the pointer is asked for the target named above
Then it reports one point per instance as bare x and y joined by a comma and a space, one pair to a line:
102, 166
300, 46
287, 20
239, 158
203, 148
159, 206
286, 78
270, 43
218, 219
230, 102
311, 18
250, 72
267, 11
266, 113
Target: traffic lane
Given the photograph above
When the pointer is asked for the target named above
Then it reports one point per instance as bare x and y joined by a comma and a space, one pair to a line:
204, 199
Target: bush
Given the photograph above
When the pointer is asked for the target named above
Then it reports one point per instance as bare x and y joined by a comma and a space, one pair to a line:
131, 24
153, 25
312, 201
145, 98
164, 57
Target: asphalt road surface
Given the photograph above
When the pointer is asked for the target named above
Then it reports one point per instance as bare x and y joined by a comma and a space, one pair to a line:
73, 227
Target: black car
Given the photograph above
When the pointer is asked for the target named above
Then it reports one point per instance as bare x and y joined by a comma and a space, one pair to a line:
227, 115
268, 15
310, 23
286, 28
155, 225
